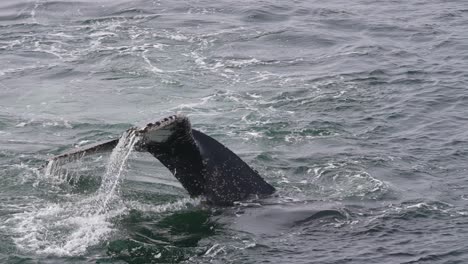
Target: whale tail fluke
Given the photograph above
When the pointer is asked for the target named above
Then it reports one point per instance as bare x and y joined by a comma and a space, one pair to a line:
201, 164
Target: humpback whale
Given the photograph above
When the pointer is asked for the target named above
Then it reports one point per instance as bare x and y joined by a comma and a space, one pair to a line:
200, 163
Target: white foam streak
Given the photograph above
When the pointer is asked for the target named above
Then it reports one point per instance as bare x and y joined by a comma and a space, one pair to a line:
151, 66
33, 11
178, 205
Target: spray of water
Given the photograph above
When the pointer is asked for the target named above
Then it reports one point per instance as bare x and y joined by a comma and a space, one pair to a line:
115, 168
70, 226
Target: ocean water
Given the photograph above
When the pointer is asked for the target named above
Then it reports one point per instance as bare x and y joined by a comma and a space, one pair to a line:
356, 111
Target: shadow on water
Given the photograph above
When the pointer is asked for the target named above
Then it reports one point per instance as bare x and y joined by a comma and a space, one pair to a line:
172, 238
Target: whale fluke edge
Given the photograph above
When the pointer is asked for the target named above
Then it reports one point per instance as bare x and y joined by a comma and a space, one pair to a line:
200, 163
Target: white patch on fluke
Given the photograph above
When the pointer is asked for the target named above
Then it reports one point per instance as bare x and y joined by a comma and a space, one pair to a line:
159, 135
161, 130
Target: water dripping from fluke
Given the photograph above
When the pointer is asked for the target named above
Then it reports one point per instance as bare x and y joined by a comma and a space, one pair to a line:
115, 169
56, 173
70, 226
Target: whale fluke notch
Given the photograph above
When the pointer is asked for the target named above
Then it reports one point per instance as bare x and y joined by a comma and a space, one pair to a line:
202, 165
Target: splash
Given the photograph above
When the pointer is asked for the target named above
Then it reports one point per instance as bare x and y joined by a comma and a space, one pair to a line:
76, 222
54, 172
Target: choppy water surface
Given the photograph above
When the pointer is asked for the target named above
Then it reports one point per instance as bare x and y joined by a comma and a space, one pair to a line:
355, 112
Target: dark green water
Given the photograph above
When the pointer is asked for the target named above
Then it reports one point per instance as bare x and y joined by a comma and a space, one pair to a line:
356, 111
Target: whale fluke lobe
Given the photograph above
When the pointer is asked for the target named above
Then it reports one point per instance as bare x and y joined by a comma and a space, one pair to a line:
171, 142
87, 150
200, 163
203, 165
